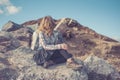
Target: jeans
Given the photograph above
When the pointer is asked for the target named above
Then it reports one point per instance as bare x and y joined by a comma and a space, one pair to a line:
60, 56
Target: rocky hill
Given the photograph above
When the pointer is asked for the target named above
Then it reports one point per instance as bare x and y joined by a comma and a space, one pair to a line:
100, 54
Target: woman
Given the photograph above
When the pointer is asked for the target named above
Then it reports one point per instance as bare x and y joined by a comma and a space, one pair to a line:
52, 49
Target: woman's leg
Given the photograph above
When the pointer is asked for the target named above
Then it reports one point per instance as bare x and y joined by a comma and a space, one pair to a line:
71, 63
57, 58
65, 54
61, 56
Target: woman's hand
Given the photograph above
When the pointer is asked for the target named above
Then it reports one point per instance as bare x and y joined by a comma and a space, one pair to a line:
64, 46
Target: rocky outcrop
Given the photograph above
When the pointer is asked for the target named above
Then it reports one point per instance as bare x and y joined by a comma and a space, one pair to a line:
10, 26
98, 69
81, 41
12, 37
7, 42
21, 60
22, 67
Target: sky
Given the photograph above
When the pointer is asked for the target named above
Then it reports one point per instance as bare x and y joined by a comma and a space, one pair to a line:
103, 16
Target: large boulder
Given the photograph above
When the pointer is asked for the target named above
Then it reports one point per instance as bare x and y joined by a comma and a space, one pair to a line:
99, 69
21, 58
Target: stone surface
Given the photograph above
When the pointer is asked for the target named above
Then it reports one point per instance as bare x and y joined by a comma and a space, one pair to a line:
99, 69
54, 73
10, 26
10, 40
21, 58
8, 74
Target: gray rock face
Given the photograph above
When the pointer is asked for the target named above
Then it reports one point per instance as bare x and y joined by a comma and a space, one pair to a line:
28, 70
24, 35
3, 61
10, 26
8, 74
98, 69
55, 73
4, 36
8, 42
14, 39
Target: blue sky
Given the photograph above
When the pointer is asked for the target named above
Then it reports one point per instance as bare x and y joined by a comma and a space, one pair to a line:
103, 16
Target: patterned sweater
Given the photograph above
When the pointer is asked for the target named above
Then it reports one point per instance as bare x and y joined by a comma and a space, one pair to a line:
52, 42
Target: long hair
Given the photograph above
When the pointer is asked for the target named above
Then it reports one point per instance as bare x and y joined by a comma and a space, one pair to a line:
47, 25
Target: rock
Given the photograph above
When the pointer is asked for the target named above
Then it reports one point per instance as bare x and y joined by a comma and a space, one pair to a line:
21, 58
14, 39
24, 35
5, 36
24, 30
18, 33
115, 50
8, 74
98, 69
8, 42
55, 73
2, 65
9, 45
10, 26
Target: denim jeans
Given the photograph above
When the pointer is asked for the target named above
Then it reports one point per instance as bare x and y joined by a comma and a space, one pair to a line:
60, 56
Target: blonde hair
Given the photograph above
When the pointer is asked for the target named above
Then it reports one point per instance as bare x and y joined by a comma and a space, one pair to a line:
47, 25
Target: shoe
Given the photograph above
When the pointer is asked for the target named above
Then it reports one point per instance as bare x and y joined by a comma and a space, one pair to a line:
74, 65
48, 64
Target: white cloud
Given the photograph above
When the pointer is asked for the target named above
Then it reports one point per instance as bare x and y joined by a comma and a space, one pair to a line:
5, 2
8, 7
1, 11
13, 9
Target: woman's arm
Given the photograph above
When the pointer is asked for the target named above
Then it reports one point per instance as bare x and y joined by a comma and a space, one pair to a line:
34, 39
45, 45
58, 25
61, 40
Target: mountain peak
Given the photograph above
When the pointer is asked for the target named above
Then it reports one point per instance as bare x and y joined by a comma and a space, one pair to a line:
11, 22
10, 26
